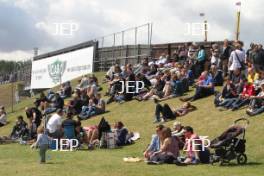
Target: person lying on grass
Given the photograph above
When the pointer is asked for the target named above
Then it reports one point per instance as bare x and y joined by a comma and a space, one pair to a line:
168, 113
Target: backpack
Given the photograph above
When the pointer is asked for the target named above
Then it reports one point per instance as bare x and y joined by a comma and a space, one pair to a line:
204, 156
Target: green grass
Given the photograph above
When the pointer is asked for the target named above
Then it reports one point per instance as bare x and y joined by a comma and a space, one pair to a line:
19, 160
6, 94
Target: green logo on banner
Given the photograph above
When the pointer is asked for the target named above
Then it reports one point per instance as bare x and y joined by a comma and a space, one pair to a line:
56, 70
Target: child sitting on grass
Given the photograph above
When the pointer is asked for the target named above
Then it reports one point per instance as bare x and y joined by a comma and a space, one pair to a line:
42, 143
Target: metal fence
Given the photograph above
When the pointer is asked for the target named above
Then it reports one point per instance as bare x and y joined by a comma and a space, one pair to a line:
127, 46
122, 55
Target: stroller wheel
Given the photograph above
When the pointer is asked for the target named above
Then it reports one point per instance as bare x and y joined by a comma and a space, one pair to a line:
242, 159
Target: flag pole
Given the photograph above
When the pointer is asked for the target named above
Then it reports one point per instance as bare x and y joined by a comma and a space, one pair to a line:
238, 4
205, 30
205, 27
238, 25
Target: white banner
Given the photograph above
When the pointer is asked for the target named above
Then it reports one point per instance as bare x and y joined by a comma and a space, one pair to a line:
54, 70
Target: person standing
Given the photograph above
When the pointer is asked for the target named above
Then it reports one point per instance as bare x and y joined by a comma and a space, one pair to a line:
258, 58
201, 59
237, 58
224, 56
43, 144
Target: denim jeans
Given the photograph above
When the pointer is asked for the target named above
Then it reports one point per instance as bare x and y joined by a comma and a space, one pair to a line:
257, 107
42, 152
202, 92
257, 111
87, 111
239, 103
227, 102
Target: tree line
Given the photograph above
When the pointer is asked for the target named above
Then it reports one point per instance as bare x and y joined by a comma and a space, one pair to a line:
8, 67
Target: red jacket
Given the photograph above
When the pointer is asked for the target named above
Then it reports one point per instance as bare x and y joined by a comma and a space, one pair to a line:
248, 90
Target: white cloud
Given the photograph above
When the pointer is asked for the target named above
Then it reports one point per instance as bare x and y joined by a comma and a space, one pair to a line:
17, 55
100, 17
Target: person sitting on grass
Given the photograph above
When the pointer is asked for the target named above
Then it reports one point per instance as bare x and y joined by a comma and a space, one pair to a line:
229, 94
256, 105
42, 101
259, 81
174, 89
20, 129
178, 129
92, 136
157, 89
3, 116
204, 87
96, 106
252, 75
237, 78
179, 132
155, 143
192, 151
114, 86
54, 124
76, 104
217, 76
66, 90
56, 103
81, 134
168, 113
244, 97
42, 143
123, 136
169, 149
69, 125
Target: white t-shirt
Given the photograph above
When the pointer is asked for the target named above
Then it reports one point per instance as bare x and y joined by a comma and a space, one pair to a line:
235, 57
54, 123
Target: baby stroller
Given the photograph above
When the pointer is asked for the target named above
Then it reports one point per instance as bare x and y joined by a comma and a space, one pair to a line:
230, 145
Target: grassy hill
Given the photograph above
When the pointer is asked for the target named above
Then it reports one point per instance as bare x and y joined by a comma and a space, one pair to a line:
137, 116
6, 94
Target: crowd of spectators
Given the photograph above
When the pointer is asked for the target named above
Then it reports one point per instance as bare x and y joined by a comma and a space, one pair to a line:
240, 72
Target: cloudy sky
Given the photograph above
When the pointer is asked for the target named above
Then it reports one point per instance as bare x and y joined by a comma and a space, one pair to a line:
25, 24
